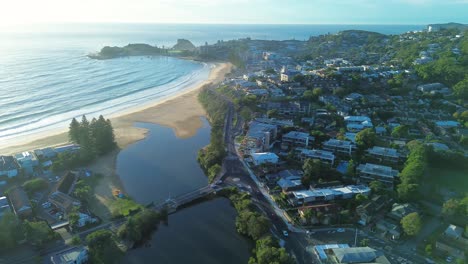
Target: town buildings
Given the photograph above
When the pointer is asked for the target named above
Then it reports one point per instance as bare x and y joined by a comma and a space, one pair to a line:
372, 172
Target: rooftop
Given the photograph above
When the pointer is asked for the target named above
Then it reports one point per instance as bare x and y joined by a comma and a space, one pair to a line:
296, 135
338, 143
69, 255
379, 170
354, 189
7, 163
383, 151
317, 153
359, 255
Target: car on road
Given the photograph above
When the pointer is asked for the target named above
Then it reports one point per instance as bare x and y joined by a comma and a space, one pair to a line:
340, 230
285, 233
46, 205
449, 259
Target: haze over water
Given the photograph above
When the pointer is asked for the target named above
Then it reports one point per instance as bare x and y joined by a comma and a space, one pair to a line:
46, 78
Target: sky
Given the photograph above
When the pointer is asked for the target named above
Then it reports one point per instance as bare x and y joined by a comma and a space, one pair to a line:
13, 12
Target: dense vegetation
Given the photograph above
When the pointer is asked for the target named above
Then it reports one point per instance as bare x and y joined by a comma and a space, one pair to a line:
35, 185
138, 226
413, 171
256, 226
211, 157
267, 251
103, 248
129, 50
95, 138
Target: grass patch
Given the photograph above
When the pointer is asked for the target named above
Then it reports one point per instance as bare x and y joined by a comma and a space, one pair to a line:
124, 207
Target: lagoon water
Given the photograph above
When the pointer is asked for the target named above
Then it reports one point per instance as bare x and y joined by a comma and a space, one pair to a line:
46, 78
161, 166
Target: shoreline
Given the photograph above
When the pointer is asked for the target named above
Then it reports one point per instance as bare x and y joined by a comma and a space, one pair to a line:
123, 121
181, 111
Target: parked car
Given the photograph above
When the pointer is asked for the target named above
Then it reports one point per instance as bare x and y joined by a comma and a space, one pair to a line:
46, 205
340, 230
285, 233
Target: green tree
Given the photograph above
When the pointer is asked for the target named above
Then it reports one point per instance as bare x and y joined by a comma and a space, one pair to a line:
366, 138
102, 247
35, 185
350, 170
37, 232
364, 242
213, 171
272, 113
461, 89
428, 249
312, 169
317, 92
400, 131
9, 225
376, 187
411, 224
74, 131
267, 251
451, 207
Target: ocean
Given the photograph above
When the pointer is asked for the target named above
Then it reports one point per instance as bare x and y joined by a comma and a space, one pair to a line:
46, 78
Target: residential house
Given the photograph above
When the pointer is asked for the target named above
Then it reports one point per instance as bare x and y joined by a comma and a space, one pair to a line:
290, 108
384, 154
372, 172
339, 146
367, 211
20, 202
322, 155
27, 160
401, 210
447, 124
63, 201
45, 153
452, 242
8, 166
264, 158
328, 194
67, 148
297, 139
74, 255
388, 229
291, 183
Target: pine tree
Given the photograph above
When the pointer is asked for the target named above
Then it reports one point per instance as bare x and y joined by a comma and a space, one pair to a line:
74, 131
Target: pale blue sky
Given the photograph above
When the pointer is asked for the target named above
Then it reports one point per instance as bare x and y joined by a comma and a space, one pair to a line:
236, 11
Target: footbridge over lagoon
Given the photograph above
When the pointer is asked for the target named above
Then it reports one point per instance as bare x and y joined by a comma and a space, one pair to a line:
173, 203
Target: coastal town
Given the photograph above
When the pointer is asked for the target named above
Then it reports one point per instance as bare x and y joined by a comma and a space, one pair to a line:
351, 146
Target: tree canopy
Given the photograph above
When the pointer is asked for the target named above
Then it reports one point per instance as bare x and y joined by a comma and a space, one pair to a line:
411, 224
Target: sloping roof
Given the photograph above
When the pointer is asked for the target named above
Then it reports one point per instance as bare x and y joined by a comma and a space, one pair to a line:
454, 231
7, 163
356, 255
69, 255
19, 200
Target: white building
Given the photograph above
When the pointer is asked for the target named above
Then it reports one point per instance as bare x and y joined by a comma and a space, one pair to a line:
260, 137
324, 156
339, 146
74, 255
372, 172
327, 194
263, 158
295, 138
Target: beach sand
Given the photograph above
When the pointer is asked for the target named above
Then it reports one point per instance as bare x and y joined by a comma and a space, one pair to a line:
181, 112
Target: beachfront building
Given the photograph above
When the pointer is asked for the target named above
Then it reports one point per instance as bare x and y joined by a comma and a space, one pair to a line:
74, 255
264, 158
260, 137
297, 139
372, 172
326, 157
384, 154
20, 202
45, 153
339, 146
8, 166
27, 161
297, 198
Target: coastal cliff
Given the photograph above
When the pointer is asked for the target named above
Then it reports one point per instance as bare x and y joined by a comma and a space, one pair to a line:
129, 50
183, 47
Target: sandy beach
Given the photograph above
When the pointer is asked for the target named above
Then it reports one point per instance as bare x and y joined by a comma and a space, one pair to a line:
181, 112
